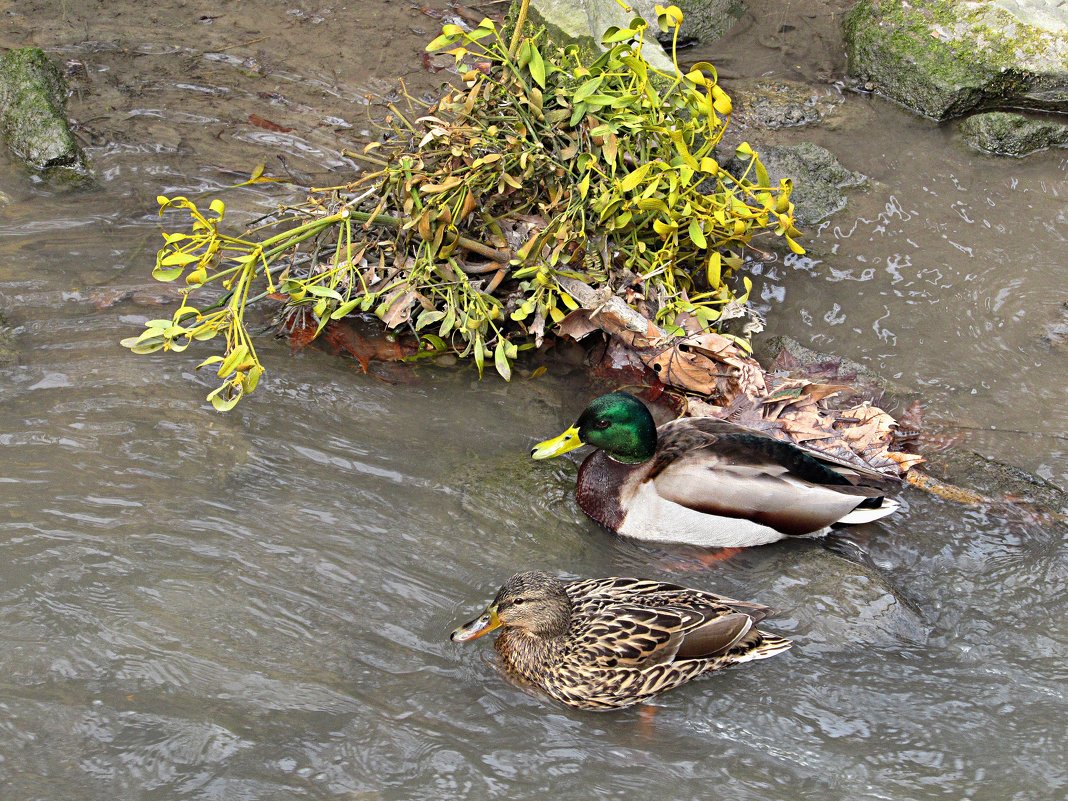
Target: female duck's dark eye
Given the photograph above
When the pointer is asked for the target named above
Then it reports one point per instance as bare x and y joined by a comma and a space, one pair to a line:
517, 601
601, 425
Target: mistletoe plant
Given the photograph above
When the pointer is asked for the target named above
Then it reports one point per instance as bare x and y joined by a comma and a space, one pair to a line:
544, 164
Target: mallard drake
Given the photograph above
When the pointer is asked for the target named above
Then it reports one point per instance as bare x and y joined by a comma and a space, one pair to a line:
612, 642
708, 482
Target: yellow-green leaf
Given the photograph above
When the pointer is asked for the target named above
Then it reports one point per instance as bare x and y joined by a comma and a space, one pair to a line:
500, 360
714, 271
537, 66
697, 236
635, 177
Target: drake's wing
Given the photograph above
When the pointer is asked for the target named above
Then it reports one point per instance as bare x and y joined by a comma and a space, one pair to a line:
754, 477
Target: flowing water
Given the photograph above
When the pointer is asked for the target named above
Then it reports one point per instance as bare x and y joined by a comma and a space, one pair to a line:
256, 605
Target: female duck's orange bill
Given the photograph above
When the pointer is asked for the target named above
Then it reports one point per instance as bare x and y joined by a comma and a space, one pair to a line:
480, 626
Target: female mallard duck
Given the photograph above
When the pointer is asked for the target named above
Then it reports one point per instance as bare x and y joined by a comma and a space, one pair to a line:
613, 642
707, 482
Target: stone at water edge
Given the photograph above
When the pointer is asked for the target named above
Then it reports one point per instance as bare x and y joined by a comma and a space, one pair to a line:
817, 175
33, 120
943, 58
1007, 134
583, 22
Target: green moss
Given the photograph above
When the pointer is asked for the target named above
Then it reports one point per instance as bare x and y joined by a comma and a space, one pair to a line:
33, 118
1016, 135
946, 58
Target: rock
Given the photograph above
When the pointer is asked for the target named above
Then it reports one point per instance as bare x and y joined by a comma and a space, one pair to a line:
1056, 330
995, 479
943, 58
818, 178
1005, 134
583, 22
703, 20
33, 119
770, 104
8, 354
836, 603
786, 354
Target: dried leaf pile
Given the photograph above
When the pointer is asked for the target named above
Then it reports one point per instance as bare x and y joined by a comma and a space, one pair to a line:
719, 380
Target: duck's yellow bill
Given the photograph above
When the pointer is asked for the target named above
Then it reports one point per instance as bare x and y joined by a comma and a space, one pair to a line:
567, 441
480, 626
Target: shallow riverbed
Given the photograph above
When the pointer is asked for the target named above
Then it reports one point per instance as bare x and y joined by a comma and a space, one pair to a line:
256, 605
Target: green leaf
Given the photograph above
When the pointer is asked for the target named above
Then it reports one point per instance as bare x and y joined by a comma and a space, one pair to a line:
442, 41
697, 236
613, 35
635, 177
428, 316
237, 355
323, 291
587, 89
147, 347
500, 360
178, 258
167, 274
714, 271
222, 404
209, 360
537, 66
479, 353
449, 321
345, 309
748, 283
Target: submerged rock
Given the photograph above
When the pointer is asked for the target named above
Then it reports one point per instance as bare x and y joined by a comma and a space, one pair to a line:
818, 178
1005, 134
33, 119
774, 103
1056, 330
996, 479
944, 58
786, 354
838, 603
8, 354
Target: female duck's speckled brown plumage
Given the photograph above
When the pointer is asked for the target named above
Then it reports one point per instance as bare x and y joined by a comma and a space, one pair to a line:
707, 482
614, 642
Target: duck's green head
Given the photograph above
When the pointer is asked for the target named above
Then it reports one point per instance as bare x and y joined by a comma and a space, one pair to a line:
619, 424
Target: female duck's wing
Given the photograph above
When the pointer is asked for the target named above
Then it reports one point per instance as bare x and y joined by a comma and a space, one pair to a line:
593, 594
622, 636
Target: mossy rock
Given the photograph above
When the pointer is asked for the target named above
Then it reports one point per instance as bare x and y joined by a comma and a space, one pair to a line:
1006, 134
819, 179
33, 118
944, 59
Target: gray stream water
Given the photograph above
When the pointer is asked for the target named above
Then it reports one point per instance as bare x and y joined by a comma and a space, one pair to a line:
256, 605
